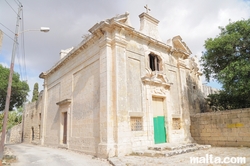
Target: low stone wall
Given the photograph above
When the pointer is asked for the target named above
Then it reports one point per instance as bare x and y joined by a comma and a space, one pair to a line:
14, 135
223, 128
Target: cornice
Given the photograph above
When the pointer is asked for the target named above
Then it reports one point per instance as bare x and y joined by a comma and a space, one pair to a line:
65, 101
97, 32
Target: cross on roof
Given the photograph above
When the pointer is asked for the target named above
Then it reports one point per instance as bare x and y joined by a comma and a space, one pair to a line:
147, 9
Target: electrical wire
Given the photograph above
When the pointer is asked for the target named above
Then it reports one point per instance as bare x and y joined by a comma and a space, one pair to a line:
9, 36
12, 8
23, 49
7, 28
20, 47
19, 62
18, 3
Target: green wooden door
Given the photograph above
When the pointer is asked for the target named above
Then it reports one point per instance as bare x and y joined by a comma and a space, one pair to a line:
159, 129
159, 120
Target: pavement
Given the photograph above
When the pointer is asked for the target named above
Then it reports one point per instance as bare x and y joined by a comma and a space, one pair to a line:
184, 159
35, 155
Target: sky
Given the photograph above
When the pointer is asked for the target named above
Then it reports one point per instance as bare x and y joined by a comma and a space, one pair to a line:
193, 20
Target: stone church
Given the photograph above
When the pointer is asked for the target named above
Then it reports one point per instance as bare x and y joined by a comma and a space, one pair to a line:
120, 90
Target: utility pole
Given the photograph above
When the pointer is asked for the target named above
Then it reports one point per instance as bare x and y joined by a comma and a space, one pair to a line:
7, 102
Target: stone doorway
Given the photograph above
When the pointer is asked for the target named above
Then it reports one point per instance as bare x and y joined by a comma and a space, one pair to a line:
159, 120
32, 134
64, 127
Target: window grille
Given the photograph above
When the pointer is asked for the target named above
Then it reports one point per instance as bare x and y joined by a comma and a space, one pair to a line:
176, 123
136, 123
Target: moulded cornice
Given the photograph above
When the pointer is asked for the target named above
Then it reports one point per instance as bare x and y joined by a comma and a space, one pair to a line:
65, 101
97, 32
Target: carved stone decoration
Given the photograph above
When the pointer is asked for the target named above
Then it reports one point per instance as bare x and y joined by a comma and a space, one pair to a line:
159, 90
156, 79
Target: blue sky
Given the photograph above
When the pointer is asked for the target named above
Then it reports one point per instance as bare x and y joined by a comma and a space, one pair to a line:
70, 20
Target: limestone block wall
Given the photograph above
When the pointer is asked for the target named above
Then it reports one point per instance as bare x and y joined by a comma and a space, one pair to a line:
14, 134
85, 110
51, 136
32, 122
78, 81
224, 128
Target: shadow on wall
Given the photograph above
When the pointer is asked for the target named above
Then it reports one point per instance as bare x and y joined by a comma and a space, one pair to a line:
196, 100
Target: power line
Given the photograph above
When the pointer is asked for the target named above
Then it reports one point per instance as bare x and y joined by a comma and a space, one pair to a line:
7, 28
18, 2
9, 36
12, 7
19, 62
23, 49
21, 52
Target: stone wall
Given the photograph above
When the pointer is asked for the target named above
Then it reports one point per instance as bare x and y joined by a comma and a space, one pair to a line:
14, 134
207, 90
32, 122
224, 128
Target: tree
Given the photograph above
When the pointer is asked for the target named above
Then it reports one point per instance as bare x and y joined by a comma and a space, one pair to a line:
227, 59
35, 93
19, 90
14, 118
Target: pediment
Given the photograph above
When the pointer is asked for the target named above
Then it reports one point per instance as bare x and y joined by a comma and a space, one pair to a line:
181, 46
156, 79
124, 19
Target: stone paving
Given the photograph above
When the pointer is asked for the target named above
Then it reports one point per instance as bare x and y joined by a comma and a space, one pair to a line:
184, 159
170, 149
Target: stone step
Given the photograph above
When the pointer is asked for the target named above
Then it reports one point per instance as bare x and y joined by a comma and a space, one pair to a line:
169, 146
157, 152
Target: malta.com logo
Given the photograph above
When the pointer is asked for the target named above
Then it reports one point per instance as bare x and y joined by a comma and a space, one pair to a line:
210, 159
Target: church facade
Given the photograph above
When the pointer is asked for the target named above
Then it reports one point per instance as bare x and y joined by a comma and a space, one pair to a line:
120, 90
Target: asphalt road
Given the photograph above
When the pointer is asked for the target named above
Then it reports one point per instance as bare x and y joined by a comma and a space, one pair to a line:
35, 155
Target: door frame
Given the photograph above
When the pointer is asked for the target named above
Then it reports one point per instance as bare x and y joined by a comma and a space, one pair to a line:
165, 114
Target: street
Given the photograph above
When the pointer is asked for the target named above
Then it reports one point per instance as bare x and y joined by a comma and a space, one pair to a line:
35, 155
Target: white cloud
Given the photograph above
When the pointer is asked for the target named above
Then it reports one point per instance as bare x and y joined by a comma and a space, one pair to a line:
4, 64
194, 20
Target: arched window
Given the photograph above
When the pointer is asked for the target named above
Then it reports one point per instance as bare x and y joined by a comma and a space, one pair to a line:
154, 62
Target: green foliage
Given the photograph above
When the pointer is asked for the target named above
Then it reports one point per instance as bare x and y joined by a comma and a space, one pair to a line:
225, 101
19, 90
14, 118
227, 59
35, 93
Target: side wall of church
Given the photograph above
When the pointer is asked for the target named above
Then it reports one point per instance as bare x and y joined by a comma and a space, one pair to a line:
77, 80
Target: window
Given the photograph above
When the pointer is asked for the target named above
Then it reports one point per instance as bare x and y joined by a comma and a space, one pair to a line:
176, 122
136, 123
154, 62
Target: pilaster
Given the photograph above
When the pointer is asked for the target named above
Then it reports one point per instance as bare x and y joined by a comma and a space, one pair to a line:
44, 111
106, 146
123, 132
